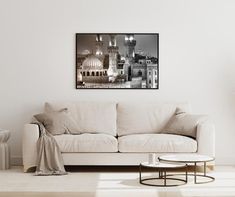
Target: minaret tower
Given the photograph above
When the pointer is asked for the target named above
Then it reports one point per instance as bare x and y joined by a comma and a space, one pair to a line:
113, 51
130, 44
99, 44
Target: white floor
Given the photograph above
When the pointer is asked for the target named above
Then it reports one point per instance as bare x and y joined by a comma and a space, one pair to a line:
14, 182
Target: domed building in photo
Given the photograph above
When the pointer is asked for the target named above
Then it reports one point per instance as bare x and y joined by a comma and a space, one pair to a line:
92, 70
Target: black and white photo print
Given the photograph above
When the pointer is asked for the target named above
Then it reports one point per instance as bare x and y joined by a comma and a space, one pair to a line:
117, 61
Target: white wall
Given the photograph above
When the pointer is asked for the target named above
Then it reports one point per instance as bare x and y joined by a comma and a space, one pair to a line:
197, 57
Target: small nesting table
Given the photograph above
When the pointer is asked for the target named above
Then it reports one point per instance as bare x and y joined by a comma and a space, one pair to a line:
191, 159
162, 169
4, 150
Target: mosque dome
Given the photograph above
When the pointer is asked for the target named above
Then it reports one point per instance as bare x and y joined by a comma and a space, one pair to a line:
92, 63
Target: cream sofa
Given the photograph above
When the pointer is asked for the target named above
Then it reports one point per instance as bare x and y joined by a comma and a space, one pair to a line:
120, 133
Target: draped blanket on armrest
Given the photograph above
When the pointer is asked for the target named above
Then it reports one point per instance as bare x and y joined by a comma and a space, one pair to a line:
49, 157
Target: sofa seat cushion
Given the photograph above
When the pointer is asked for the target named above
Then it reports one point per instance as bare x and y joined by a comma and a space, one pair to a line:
161, 143
87, 143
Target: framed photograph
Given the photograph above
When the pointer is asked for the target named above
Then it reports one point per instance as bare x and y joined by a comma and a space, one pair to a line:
117, 61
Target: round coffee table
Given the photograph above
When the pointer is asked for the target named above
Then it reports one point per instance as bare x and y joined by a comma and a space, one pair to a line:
191, 159
162, 169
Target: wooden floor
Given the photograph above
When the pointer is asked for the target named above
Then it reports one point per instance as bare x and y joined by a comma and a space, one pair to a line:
109, 182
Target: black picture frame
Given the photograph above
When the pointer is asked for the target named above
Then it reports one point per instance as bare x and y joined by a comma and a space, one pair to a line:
80, 84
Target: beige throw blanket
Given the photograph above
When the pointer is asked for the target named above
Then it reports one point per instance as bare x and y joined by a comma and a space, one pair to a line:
49, 158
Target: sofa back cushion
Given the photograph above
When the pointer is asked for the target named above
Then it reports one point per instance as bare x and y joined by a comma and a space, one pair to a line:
92, 117
183, 123
57, 122
145, 118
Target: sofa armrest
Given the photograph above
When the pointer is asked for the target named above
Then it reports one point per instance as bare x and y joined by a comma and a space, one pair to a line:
29, 145
206, 139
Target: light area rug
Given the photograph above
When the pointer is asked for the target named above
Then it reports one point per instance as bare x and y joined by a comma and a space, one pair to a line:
15, 183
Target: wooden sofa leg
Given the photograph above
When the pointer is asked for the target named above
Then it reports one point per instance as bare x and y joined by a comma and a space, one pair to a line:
29, 169
209, 168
